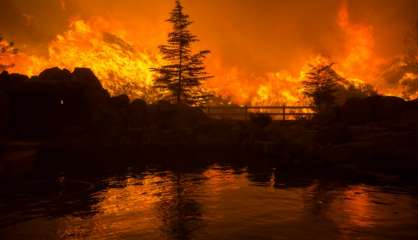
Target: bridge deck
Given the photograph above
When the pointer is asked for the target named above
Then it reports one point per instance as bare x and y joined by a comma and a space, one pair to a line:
276, 112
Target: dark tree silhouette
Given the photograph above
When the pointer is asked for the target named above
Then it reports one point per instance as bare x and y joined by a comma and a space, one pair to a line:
321, 85
6, 49
185, 71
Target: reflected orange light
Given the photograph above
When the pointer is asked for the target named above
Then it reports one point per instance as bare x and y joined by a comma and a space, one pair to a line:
357, 203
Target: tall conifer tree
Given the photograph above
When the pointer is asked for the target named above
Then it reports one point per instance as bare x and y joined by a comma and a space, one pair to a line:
185, 70
321, 85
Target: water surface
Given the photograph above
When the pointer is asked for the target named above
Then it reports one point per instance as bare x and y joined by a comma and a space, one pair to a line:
214, 203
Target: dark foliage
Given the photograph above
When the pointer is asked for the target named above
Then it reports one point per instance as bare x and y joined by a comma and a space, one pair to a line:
260, 119
347, 91
185, 71
321, 85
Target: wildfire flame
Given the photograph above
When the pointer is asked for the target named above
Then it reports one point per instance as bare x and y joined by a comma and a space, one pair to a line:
124, 68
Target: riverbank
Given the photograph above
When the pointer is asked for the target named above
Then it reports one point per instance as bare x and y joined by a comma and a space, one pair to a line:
294, 146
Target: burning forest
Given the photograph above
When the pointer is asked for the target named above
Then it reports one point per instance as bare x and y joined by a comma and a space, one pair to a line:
123, 62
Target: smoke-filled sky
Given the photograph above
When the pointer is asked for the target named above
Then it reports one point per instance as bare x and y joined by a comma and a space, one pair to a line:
259, 36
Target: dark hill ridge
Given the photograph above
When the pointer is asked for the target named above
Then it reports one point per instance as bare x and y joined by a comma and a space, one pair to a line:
57, 100
75, 120
379, 108
54, 99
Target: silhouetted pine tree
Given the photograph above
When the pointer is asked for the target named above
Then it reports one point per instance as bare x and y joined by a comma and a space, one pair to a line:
321, 85
185, 71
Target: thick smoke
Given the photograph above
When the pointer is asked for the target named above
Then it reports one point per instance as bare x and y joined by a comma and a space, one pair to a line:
402, 71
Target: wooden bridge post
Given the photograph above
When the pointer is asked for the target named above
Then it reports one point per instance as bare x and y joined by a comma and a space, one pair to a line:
284, 112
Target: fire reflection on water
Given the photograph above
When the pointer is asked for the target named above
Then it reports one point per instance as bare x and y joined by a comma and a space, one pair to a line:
225, 203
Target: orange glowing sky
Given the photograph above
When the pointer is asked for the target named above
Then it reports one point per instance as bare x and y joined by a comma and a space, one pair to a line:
257, 46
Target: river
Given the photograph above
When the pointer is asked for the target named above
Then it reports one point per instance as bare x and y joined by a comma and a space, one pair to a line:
217, 202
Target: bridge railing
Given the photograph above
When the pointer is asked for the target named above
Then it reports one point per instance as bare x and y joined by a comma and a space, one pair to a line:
276, 112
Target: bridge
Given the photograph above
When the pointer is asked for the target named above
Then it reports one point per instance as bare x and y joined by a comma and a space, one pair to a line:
282, 113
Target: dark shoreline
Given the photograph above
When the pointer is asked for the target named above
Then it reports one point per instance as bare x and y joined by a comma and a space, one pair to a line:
66, 122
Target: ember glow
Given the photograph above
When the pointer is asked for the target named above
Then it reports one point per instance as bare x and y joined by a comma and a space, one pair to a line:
122, 59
